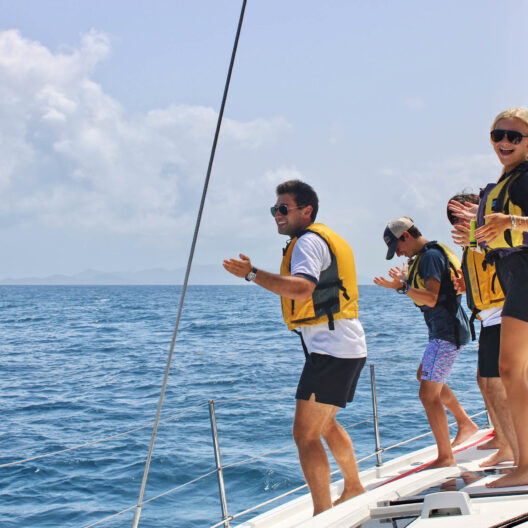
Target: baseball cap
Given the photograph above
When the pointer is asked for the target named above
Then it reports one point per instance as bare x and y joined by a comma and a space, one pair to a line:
394, 231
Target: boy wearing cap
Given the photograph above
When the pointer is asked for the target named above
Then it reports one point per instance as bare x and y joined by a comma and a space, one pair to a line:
427, 280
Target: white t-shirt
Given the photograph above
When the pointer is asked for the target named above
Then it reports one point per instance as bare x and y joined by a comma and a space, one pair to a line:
491, 316
311, 256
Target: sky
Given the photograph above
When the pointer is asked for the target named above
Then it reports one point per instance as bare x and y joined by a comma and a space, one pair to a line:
108, 111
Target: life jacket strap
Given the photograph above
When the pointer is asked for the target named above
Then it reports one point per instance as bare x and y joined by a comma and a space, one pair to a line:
472, 325
331, 324
501, 202
337, 283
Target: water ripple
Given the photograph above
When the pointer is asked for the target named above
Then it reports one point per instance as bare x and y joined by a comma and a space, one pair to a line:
83, 363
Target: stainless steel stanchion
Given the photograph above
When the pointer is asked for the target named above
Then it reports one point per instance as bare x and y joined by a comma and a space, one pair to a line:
375, 413
220, 473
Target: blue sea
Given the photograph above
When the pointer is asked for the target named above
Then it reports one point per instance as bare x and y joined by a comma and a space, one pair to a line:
80, 364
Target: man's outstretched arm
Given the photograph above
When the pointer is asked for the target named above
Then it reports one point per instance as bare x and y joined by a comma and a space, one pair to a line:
291, 286
429, 296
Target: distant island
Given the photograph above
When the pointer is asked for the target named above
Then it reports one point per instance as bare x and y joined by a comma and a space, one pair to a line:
200, 274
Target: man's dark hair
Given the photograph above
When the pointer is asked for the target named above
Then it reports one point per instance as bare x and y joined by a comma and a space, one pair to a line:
303, 194
414, 232
461, 198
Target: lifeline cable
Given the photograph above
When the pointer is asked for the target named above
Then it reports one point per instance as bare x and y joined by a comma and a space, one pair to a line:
188, 270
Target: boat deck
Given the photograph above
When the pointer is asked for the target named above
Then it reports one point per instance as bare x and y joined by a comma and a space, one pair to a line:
403, 491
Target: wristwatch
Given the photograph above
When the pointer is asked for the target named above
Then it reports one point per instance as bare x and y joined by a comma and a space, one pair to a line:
251, 275
403, 289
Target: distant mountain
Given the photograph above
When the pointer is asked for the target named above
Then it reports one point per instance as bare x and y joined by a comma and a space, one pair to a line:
200, 274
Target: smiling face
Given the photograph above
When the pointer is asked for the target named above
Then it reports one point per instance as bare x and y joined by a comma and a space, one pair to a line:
511, 155
297, 219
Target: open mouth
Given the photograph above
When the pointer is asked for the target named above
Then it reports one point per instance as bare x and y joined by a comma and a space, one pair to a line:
505, 151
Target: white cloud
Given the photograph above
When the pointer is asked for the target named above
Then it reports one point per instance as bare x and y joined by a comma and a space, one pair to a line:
71, 156
423, 191
429, 186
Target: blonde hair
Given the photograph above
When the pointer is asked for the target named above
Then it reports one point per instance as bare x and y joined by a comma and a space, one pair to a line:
516, 112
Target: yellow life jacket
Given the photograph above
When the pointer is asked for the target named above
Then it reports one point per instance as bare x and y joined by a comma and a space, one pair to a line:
447, 288
483, 289
336, 293
496, 199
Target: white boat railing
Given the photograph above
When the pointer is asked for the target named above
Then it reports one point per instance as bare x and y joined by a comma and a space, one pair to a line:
220, 468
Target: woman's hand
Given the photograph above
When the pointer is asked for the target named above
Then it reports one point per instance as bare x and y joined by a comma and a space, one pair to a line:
460, 234
466, 211
496, 224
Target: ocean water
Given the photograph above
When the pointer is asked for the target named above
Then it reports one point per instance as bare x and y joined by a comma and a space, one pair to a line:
84, 363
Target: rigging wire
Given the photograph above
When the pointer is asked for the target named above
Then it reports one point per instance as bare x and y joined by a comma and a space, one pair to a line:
257, 457
188, 270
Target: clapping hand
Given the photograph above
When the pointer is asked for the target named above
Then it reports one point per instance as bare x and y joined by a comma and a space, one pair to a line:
398, 276
460, 234
239, 268
496, 224
466, 211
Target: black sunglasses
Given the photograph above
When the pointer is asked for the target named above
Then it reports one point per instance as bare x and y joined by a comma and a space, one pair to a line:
283, 209
513, 136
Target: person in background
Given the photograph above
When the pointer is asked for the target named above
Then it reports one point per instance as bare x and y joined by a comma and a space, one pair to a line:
318, 289
428, 282
485, 299
502, 232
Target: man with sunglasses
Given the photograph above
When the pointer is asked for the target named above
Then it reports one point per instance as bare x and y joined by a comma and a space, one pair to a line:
318, 289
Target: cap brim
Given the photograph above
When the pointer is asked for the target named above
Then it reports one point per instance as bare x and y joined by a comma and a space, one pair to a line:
392, 249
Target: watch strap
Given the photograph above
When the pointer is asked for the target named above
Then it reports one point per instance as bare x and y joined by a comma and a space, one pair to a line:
251, 275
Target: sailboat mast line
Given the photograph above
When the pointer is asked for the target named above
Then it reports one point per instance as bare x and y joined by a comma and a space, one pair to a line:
135, 521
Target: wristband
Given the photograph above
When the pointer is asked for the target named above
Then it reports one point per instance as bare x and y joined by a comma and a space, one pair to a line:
404, 289
251, 275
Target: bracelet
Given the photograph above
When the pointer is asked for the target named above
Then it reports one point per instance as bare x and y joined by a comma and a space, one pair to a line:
519, 223
404, 289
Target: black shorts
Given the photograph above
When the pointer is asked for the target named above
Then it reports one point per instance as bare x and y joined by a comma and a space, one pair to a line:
332, 380
512, 272
488, 351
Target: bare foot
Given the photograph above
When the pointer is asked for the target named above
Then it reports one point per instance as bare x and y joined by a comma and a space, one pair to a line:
502, 455
518, 477
442, 462
349, 493
464, 432
492, 443
317, 512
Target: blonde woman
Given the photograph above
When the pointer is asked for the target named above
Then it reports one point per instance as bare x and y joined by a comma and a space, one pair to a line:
502, 221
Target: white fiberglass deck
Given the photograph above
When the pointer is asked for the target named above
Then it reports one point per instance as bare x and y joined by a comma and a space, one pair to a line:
396, 490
